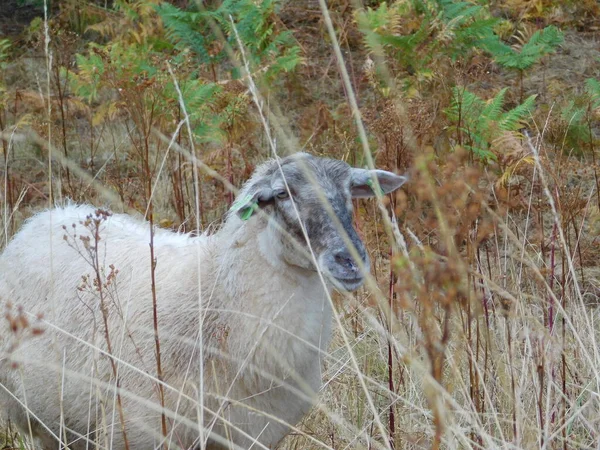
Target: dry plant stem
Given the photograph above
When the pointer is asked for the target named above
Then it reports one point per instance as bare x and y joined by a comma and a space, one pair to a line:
48, 60
159, 372
485, 300
162, 165
201, 310
472, 358
566, 321
585, 352
61, 104
593, 152
48, 54
28, 412
425, 372
551, 280
62, 431
563, 357
93, 224
565, 249
435, 348
541, 370
390, 362
8, 202
150, 209
556, 217
355, 111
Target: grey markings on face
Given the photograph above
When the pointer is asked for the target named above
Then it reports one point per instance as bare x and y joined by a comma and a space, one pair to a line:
322, 191
311, 182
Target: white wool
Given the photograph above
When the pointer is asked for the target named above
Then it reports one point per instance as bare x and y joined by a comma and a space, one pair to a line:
264, 326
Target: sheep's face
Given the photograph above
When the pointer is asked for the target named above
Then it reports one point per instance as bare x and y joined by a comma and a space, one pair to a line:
310, 199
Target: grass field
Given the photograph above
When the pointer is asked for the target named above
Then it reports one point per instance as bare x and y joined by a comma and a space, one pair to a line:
481, 329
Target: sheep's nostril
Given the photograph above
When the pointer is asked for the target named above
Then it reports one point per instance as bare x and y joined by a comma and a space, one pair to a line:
345, 260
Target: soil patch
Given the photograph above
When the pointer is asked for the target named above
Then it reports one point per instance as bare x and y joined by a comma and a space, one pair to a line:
15, 15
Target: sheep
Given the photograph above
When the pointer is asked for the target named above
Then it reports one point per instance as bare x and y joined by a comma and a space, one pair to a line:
243, 315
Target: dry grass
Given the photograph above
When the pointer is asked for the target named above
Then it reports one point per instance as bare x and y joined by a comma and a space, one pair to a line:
482, 328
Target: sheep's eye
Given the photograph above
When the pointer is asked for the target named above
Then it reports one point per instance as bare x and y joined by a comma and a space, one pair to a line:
282, 194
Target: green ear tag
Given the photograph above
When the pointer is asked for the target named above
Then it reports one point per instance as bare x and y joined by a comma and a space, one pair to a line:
244, 202
372, 186
240, 203
249, 211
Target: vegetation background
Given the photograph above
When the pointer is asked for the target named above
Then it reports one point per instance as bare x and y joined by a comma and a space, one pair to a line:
484, 330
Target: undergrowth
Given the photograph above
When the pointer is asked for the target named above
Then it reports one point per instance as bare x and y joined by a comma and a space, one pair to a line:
483, 332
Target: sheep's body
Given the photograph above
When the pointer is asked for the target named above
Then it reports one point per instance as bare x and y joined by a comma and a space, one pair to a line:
265, 316
243, 315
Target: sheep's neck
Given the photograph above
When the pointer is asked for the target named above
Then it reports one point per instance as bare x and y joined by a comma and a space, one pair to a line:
257, 241
264, 285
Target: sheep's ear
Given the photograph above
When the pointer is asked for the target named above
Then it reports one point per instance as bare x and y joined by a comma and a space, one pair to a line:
363, 185
248, 204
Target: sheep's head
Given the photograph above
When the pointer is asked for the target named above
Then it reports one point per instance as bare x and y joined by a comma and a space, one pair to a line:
309, 197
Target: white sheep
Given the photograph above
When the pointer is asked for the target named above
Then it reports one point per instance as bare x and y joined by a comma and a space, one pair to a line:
243, 317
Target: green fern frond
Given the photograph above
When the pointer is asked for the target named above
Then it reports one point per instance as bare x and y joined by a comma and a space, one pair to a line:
264, 44
460, 11
180, 27
572, 113
515, 118
482, 122
446, 27
4, 49
541, 43
464, 103
592, 87
575, 116
493, 109
196, 94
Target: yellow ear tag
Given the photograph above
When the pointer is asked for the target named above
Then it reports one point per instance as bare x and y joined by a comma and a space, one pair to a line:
372, 186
